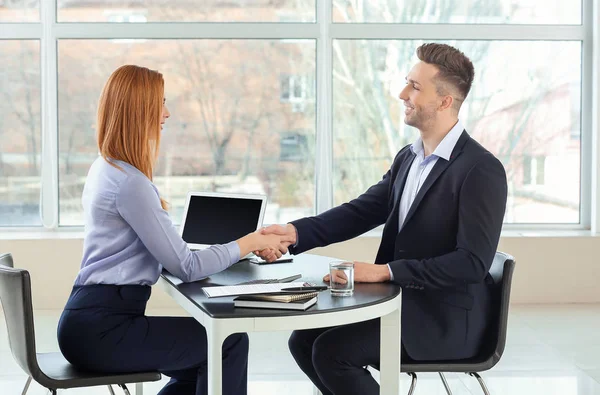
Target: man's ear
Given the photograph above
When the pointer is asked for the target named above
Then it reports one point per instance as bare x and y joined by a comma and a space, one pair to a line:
447, 102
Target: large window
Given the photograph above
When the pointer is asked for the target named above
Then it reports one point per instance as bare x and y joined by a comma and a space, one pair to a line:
524, 112
228, 127
459, 11
20, 137
13, 11
295, 99
186, 11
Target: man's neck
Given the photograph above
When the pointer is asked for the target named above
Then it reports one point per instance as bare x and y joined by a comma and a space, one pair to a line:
434, 136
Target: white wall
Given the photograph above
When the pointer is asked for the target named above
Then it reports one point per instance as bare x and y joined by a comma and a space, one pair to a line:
549, 269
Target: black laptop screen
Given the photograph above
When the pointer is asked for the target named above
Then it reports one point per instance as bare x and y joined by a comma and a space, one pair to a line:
219, 220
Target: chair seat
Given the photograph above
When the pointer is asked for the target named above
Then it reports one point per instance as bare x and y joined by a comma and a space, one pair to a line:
61, 374
476, 364
456, 366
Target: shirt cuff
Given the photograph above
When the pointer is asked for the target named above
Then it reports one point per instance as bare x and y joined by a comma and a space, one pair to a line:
234, 251
297, 238
391, 273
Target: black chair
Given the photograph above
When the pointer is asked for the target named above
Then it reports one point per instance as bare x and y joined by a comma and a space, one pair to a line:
501, 272
50, 370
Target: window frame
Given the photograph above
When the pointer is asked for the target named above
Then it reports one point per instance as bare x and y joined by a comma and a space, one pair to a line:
324, 31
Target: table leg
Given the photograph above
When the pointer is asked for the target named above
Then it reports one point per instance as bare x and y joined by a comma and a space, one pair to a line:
215, 361
390, 353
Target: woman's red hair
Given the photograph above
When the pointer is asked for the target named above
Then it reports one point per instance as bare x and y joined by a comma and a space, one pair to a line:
129, 116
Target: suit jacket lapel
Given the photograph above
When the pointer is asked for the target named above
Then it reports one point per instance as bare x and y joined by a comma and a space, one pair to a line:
390, 229
400, 181
440, 166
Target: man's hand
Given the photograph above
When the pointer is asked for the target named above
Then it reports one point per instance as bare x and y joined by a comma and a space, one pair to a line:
366, 273
289, 234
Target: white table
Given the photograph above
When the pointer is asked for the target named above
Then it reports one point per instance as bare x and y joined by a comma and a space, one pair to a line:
221, 319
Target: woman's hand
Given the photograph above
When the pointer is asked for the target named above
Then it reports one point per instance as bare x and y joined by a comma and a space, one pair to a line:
290, 235
273, 242
256, 241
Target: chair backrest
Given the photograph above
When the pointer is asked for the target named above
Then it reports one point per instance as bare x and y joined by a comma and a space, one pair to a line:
501, 272
6, 260
15, 295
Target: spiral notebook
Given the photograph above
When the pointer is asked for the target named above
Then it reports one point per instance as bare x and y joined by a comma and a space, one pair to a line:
247, 289
282, 300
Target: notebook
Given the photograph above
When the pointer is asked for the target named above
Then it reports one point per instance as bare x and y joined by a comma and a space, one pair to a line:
281, 300
232, 290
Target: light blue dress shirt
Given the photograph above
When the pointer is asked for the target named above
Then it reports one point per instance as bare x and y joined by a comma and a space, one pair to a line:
421, 167
129, 237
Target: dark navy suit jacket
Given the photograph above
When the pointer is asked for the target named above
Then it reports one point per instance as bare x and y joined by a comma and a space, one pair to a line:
442, 254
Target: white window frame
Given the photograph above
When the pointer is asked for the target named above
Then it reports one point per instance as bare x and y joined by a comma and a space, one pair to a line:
323, 31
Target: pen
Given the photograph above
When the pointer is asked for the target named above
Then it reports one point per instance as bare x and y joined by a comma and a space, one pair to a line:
317, 288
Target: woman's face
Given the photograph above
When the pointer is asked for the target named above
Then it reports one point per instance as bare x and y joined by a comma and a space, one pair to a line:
165, 113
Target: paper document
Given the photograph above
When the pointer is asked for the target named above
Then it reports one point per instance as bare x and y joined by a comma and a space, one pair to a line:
230, 290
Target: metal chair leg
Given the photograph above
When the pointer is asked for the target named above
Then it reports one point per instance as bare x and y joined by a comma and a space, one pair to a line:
413, 383
52, 392
139, 388
124, 388
110, 390
481, 382
26, 386
445, 383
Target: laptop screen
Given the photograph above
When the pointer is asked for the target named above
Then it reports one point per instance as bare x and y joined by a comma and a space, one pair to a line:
219, 220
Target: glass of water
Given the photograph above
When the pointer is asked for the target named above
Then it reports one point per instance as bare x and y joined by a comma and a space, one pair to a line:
341, 278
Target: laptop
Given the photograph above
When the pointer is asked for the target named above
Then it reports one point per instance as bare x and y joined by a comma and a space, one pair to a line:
218, 218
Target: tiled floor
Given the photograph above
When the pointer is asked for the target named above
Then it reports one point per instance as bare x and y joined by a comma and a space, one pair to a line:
551, 350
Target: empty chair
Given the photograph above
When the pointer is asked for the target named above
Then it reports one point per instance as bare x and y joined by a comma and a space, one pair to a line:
50, 370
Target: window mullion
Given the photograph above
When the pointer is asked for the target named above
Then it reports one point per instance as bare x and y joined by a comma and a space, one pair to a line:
591, 118
324, 137
49, 111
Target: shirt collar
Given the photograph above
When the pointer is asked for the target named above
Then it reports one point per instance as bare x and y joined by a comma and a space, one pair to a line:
445, 147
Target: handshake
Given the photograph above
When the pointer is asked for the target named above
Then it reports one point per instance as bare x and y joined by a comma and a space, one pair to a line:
271, 242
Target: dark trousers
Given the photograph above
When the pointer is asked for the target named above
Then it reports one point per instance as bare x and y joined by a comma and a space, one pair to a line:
335, 358
103, 328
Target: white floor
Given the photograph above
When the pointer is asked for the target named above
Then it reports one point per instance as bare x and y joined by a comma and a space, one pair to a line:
551, 350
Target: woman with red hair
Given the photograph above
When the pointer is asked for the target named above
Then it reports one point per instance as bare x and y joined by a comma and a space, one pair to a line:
129, 237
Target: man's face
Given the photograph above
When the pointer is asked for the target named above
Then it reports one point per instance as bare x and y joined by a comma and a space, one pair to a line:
420, 96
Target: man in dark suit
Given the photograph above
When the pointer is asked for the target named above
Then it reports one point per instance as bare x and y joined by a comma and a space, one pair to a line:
442, 203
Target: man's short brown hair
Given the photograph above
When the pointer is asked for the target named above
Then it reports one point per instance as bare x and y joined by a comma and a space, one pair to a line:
455, 70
